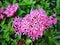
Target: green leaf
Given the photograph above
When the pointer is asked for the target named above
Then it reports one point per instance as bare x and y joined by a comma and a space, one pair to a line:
11, 29
57, 37
26, 2
6, 2
20, 13
54, 41
14, 42
0, 4
6, 36
58, 18
1, 37
4, 43
58, 7
28, 41
3, 22
38, 6
19, 36
14, 1
3, 26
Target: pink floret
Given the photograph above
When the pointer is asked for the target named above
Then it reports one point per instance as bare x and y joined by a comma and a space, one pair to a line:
1, 16
33, 24
1, 13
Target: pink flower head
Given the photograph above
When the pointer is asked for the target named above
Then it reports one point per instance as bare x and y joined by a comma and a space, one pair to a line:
54, 15
1, 10
33, 24
17, 25
1, 16
54, 21
11, 9
1, 13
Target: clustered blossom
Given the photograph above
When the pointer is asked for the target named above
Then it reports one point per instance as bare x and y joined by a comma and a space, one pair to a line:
11, 10
1, 13
17, 22
33, 24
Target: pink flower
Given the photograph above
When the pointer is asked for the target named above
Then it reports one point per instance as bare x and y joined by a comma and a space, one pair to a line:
1, 10
54, 20
1, 13
33, 24
1, 16
17, 25
54, 15
11, 10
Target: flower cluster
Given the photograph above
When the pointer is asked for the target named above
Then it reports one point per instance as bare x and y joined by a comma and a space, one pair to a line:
17, 25
10, 11
33, 24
